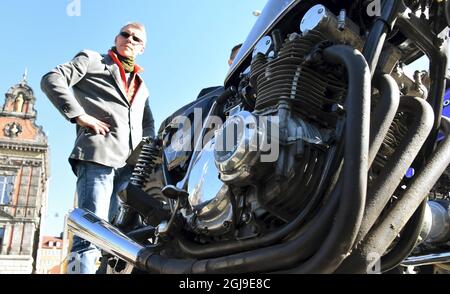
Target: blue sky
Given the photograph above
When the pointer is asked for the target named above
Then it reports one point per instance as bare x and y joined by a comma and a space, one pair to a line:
188, 48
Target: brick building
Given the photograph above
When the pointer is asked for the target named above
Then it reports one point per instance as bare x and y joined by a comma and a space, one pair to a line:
24, 173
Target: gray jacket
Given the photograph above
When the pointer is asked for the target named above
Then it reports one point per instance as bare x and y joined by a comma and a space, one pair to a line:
99, 92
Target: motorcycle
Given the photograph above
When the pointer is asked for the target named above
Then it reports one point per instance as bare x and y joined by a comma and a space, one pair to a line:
318, 155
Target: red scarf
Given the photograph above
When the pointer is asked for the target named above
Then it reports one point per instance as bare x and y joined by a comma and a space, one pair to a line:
131, 89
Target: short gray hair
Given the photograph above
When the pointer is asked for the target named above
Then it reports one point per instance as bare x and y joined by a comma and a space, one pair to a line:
136, 25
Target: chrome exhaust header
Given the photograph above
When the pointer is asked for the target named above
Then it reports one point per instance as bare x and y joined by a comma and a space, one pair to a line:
427, 259
102, 234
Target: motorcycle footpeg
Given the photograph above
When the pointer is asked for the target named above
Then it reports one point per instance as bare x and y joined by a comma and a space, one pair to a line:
171, 191
150, 208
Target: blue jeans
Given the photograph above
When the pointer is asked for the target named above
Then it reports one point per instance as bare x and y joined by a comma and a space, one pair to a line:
97, 188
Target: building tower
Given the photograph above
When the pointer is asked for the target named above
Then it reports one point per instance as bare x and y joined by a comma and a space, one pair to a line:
24, 173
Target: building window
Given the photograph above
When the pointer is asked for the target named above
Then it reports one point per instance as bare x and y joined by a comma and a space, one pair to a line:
50, 244
2, 234
6, 189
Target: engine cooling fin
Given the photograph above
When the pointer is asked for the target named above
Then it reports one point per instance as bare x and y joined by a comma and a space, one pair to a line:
288, 77
299, 190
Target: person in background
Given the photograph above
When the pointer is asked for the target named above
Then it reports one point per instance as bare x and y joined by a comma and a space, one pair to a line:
205, 91
233, 54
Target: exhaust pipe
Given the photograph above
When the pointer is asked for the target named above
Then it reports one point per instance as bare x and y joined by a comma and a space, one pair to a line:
427, 259
90, 227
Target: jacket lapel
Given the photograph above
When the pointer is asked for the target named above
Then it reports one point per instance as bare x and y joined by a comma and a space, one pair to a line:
115, 72
141, 91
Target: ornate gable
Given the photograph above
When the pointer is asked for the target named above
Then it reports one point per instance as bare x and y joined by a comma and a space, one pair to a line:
17, 117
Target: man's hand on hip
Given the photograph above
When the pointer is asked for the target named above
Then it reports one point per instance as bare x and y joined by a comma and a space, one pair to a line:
97, 126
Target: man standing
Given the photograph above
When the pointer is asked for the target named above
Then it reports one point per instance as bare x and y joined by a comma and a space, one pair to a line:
109, 104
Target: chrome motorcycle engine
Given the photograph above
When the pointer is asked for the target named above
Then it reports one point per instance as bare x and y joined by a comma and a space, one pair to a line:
264, 166
242, 142
209, 197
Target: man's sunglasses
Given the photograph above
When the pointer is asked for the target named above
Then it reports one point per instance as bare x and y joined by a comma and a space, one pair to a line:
127, 35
